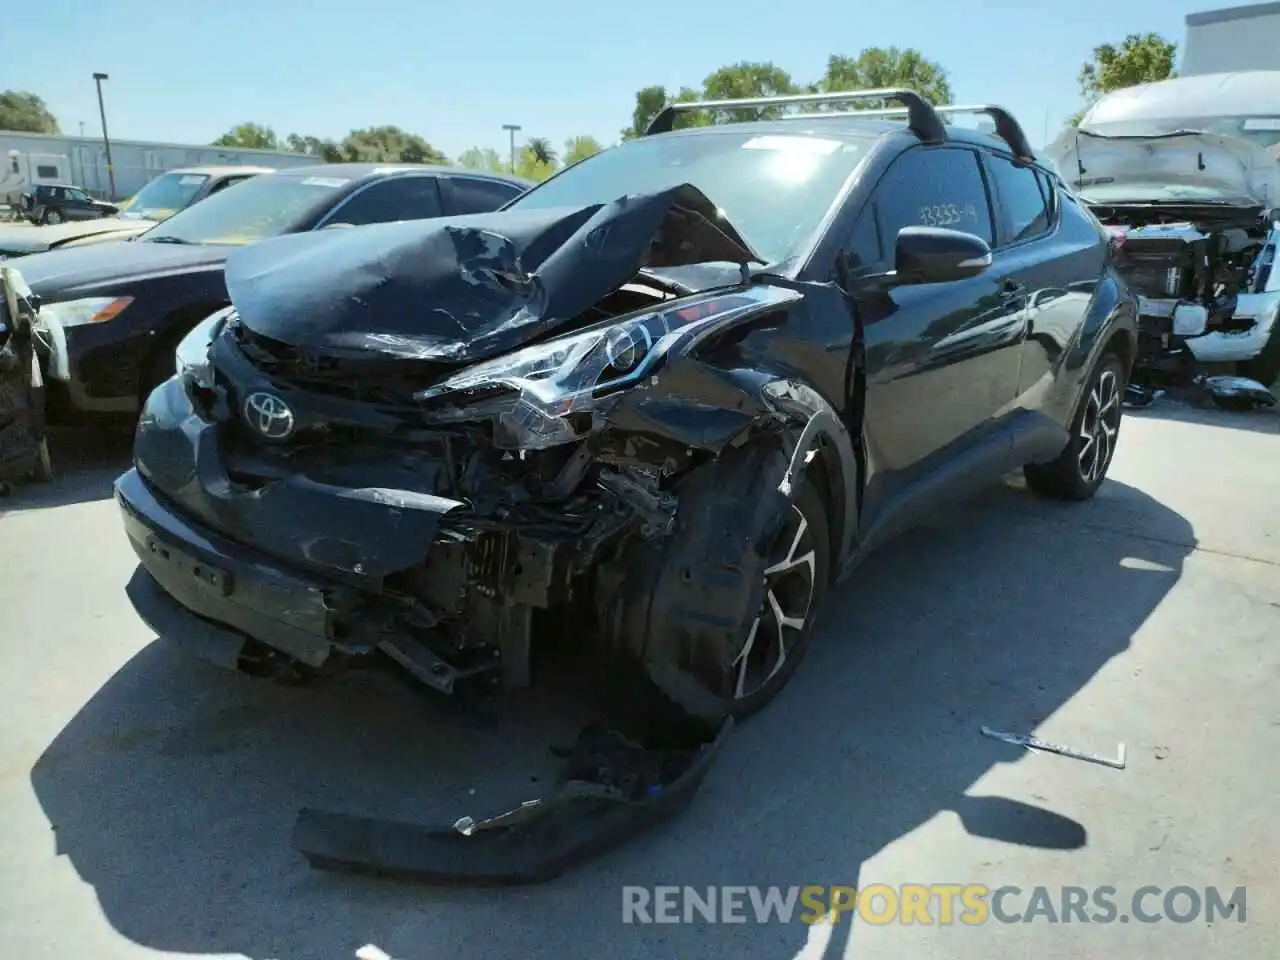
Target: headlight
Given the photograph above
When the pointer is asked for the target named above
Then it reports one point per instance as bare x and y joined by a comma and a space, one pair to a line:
191, 358
532, 394
74, 313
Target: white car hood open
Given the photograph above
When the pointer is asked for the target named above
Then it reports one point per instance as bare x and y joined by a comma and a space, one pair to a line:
1228, 164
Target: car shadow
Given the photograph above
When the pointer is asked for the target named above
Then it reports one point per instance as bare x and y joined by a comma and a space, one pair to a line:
173, 790
86, 461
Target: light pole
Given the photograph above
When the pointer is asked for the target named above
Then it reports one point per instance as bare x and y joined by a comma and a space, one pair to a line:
511, 129
106, 139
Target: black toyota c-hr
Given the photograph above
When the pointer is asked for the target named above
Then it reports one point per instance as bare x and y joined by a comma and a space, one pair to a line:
678, 391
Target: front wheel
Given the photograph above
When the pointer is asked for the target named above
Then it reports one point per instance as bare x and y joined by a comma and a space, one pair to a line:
1082, 466
721, 611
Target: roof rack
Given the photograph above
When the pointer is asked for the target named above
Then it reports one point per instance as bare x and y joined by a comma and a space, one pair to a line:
921, 115
1007, 127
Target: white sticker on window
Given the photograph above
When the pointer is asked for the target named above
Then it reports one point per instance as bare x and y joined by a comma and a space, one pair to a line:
1262, 123
191, 180
323, 182
794, 144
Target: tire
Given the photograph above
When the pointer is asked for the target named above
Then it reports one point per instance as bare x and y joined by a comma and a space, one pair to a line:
699, 606
1095, 429
51, 217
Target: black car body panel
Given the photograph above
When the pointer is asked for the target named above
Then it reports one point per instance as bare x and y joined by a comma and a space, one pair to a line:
107, 366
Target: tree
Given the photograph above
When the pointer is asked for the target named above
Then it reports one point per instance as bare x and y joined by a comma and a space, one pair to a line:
319, 147
483, 158
533, 166
1140, 58
880, 67
873, 67
579, 148
251, 136
388, 144
741, 81
23, 112
542, 151
651, 100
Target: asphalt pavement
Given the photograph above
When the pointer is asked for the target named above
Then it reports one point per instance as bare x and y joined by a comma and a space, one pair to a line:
147, 798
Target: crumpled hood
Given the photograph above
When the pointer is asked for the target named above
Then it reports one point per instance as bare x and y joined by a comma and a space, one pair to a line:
25, 240
1229, 164
458, 289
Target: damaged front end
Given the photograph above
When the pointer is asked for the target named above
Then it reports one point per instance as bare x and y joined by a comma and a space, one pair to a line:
1194, 235
450, 448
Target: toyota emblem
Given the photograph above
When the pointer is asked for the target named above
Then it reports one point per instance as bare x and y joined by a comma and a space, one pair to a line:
269, 415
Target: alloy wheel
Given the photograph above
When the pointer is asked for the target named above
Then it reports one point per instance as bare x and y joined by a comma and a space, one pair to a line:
54, 217
789, 581
1099, 426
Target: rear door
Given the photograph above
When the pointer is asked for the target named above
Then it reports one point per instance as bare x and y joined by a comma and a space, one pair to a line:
942, 358
1057, 271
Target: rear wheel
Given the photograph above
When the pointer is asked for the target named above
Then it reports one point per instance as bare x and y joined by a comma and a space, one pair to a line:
1082, 466
52, 217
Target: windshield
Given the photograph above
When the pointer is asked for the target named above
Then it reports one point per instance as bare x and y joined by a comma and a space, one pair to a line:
1261, 130
164, 196
267, 205
775, 190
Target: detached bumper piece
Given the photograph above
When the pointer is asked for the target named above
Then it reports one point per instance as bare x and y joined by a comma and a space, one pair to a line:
611, 790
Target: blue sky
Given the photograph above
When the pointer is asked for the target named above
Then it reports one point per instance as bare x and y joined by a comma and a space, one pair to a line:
187, 71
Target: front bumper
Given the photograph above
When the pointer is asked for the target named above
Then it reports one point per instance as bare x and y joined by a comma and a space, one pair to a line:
212, 586
1167, 324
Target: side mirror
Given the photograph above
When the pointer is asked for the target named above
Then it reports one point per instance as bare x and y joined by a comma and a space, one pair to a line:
937, 255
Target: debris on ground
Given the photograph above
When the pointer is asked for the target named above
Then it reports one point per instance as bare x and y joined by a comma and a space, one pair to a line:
1044, 746
632, 769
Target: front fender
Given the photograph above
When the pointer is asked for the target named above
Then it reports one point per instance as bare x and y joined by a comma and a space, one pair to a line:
695, 407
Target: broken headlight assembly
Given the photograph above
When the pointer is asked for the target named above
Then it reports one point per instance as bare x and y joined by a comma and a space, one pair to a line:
191, 358
538, 396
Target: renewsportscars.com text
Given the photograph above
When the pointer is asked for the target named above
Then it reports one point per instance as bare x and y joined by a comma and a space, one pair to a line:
935, 903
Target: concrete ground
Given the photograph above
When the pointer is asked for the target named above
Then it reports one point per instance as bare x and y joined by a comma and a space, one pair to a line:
148, 798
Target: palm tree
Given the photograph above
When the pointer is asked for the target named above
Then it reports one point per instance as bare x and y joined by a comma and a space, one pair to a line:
542, 150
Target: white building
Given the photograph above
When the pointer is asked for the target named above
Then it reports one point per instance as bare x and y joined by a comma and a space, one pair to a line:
30, 158
1231, 40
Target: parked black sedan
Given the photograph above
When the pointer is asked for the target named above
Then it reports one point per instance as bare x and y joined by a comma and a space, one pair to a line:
112, 313
676, 392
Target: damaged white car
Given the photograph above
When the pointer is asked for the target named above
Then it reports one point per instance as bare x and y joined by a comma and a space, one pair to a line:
1184, 174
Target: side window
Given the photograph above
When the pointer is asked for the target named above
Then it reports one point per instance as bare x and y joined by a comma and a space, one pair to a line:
399, 198
933, 187
1023, 206
229, 182
864, 247
471, 195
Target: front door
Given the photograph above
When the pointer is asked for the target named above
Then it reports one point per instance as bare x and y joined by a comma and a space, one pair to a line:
941, 359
